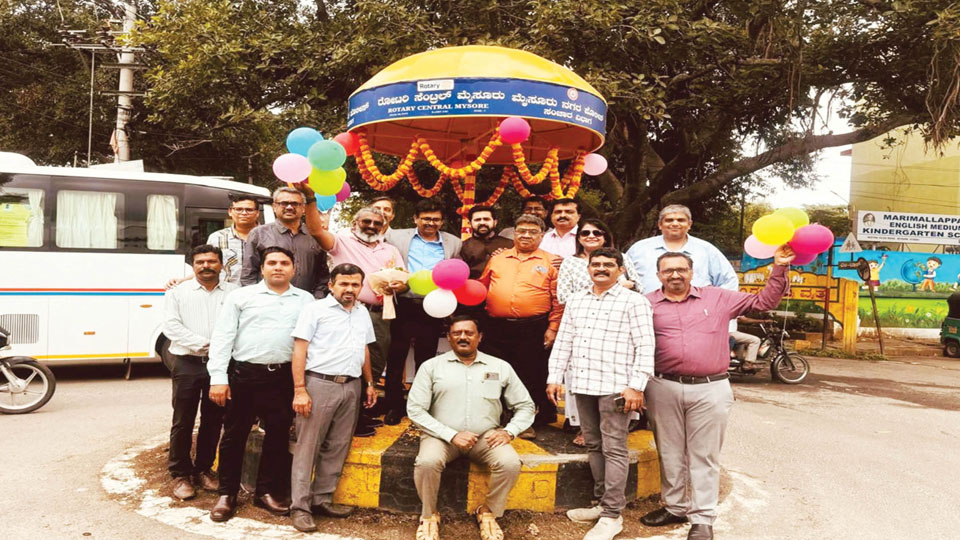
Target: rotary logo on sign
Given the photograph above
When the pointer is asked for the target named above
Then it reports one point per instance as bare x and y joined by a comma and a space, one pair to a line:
572, 94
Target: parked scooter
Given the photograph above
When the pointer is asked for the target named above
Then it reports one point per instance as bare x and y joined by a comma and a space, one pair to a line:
25, 384
788, 367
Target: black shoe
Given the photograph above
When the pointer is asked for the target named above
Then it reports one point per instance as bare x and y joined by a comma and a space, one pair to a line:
372, 422
269, 503
302, 521
661, 517
224, 508
363, 431
393, 417
330, 509
700, 531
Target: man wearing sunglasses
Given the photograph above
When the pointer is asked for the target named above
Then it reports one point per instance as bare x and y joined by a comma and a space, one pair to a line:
310, 262
363, 246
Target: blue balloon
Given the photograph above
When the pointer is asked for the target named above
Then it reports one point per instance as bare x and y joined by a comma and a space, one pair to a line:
326, 202
301, 139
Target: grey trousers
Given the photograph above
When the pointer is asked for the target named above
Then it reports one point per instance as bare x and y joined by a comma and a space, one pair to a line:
434, 454
689, 421
379, 348
605, 436
753, 344
323, 440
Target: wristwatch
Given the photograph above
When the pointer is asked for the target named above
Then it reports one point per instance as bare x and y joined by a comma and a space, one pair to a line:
370, 384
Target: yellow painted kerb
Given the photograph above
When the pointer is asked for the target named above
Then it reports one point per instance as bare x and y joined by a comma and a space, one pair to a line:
480, 62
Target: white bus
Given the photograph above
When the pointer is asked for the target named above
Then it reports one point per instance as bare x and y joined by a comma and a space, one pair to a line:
85, 254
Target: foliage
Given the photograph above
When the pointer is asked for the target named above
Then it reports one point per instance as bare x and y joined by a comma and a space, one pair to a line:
702, 93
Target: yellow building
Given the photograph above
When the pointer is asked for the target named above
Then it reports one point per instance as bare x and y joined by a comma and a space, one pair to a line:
905, 177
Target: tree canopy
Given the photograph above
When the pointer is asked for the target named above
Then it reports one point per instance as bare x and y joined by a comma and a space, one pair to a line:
701, 93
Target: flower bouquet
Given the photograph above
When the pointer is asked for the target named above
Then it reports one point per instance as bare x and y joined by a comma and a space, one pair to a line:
380, 284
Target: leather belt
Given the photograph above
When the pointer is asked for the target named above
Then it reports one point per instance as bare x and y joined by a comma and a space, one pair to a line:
339, 379
194, 358
693, 379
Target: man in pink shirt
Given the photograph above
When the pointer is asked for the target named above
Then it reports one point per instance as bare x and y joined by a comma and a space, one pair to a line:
689, 398
363, 246
561, 240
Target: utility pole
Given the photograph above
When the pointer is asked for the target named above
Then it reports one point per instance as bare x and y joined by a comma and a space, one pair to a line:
125, 98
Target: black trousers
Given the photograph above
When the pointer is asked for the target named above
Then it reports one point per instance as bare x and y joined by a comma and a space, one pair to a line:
191, 385
411, 324
520, 343
264, 392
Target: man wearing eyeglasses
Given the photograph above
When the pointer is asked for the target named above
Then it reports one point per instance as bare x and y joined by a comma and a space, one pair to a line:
244, 211
310, 261
362, 245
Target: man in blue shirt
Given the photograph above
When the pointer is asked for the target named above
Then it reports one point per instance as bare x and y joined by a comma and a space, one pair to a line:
330, 356
422, 248
249, 370
710, 267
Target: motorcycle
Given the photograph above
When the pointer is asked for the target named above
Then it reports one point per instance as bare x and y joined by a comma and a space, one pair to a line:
788, 367
25, 384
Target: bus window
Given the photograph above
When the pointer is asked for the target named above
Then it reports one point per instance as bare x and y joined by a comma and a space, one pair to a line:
88, 219
162, 222
21, 217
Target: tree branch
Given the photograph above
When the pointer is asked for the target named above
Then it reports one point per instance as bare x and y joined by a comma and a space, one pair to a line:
788, 150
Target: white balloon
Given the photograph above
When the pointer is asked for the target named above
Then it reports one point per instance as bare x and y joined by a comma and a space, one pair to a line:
440, 303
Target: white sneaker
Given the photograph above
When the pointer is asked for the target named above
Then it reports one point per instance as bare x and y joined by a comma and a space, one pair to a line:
605, 529
585, 515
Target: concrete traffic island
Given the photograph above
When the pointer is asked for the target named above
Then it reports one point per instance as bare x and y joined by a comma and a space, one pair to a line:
555, 474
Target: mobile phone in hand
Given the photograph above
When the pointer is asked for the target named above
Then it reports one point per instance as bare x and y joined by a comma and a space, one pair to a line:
620, 403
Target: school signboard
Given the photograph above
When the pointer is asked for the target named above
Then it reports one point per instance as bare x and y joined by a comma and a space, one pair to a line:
908, 227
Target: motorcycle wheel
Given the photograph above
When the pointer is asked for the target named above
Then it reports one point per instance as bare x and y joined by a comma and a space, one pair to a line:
790, 368
38, 385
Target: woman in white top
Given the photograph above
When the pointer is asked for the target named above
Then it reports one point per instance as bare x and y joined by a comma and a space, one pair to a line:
574, 277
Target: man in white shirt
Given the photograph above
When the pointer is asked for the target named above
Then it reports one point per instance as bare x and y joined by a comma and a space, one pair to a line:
190, 311
561, 240
330, 355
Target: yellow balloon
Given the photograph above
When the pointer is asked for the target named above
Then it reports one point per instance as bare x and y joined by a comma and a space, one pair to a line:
798, 217
327, 182
773, 230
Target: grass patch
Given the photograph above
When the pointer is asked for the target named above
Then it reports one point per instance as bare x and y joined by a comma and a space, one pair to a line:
904, 312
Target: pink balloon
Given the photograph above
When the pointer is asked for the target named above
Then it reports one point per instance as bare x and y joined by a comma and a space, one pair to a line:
344, 192
450, 274
813, 238
514, 130
594, 164
757, 249
292, 168
804, 258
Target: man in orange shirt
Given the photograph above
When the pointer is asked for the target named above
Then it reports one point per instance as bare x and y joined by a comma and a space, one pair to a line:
523, 313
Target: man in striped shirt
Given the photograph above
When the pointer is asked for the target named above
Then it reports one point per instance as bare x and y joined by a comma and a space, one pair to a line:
606, 340
190, 311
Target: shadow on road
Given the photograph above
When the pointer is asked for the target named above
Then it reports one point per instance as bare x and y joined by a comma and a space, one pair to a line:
109, 372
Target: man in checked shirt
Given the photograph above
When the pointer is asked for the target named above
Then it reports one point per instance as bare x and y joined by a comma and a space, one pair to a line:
606, 340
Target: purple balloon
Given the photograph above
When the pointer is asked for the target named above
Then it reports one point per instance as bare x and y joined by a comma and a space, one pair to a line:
450, 274
594, 164
757, 249
813, 238
804, 258
344, 192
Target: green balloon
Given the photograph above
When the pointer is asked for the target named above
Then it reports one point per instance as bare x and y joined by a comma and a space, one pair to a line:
327, 182
421, 282
326, 155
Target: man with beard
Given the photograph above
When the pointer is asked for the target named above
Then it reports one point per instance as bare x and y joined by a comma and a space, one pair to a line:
250, 375
310, 261
561, 240
524, 313
330, 356
422, 248
457, 399
689, 399
191, 310
363, 246
477, 249
387, 207
534, 205
606, 340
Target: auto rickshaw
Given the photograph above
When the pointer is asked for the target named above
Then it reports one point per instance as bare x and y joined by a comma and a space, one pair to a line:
950, 329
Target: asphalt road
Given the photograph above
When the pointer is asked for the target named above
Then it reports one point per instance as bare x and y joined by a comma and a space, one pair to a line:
863, 450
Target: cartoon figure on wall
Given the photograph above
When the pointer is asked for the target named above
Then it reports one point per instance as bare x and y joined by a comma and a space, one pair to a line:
930, 274
875, 268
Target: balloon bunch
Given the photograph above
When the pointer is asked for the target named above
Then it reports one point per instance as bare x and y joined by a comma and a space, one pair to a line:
788, 226
319, 162
446, 285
